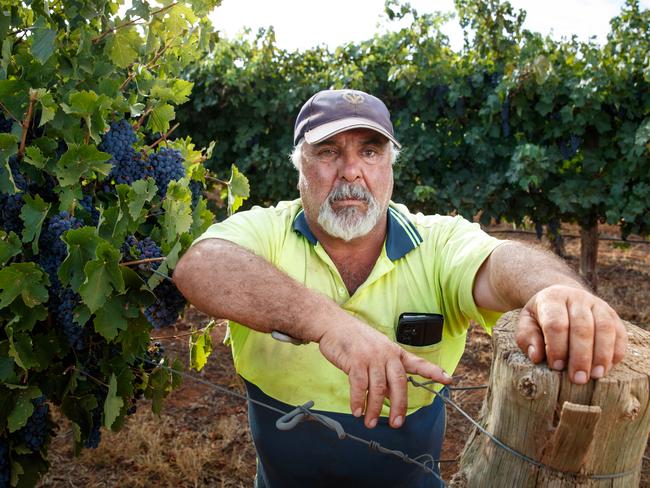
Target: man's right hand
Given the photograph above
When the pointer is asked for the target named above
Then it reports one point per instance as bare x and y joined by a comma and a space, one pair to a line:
377, 368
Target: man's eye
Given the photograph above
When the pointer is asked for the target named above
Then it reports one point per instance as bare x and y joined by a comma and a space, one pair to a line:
326, 153
370, 153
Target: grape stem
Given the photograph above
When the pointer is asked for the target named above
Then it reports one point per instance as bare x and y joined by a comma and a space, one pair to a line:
150, 65
216, 180
164, 137
143, 261
140, 121
96, 380
112, 30
26, 121
221, 323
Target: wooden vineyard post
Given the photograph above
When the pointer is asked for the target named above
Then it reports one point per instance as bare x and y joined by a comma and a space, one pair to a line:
578, 432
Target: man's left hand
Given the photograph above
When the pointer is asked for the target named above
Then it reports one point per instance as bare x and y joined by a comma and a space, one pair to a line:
570, 326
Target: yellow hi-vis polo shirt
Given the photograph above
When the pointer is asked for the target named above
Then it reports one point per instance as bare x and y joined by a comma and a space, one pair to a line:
427, 265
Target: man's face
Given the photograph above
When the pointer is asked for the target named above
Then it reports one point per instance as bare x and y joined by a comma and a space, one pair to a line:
346, 182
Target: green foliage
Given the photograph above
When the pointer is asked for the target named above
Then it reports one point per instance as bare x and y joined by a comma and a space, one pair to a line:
515, 125
74, 285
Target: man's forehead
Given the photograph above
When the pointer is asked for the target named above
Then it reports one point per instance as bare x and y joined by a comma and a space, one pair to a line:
359, 136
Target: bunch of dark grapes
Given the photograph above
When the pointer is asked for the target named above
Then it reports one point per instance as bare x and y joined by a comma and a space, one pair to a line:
167, 307
55, 250
134, 249
95, 435
64, 303
11, 205
197, 188
87, 204
5, 124
134, 168
152, 357
119, 140
167, 165
5, 463
33, 434
128, 165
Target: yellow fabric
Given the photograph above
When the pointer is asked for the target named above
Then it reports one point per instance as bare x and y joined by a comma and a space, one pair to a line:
435, 277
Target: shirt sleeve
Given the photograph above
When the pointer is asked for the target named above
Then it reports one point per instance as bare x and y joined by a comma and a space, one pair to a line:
259, 230
461, 249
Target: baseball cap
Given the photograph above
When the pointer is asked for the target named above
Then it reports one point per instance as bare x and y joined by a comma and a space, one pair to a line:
330, 112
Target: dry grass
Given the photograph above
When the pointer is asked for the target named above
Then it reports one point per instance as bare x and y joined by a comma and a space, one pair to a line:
152, 451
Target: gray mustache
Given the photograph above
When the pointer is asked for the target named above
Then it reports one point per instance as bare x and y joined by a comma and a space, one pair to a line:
347, 191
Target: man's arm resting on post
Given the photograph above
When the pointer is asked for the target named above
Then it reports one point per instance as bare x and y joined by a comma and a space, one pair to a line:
560, 319
225, 280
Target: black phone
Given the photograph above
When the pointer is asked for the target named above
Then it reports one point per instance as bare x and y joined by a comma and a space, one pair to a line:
419, 329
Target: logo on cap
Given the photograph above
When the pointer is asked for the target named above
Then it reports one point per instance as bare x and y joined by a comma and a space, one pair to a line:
353, 98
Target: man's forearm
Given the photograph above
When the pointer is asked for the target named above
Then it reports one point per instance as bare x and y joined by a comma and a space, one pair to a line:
225, 280
514, 273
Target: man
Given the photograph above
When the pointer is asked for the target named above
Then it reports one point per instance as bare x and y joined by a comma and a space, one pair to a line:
336, 269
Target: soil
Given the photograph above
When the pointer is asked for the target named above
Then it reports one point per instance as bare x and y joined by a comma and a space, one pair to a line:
202, 440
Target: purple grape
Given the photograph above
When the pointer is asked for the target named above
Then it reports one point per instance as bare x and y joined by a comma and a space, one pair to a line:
167, 166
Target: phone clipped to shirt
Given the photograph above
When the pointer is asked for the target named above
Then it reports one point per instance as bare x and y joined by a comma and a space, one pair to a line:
419, 329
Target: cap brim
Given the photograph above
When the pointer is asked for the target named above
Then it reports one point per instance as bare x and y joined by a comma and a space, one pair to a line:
330, 129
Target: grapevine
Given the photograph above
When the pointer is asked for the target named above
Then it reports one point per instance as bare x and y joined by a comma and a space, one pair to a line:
95, 211
33, 434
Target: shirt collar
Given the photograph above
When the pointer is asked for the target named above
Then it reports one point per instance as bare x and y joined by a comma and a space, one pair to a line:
401, 235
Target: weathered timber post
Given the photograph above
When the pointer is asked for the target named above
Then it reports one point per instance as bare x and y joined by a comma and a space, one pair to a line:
579, 433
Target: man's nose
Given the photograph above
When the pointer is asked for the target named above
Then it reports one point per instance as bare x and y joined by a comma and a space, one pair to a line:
350, 166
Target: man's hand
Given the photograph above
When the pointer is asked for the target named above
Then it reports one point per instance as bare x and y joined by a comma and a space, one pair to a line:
377, 368
569, 325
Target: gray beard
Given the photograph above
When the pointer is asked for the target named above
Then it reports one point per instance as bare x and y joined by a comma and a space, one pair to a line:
350, 222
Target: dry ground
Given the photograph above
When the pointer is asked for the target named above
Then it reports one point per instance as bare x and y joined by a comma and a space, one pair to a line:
202, 439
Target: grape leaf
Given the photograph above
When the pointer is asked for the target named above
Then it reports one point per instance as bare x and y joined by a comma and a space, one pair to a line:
42, 41
20, 348
178, 210
109, 319
177, 91
82, 244
113, 403
238, 190
33, 215
23, 408
26, 280
101, 273
34, 156
7, 373
80, 161
8, 147
111, 257
24, 317
10, 246
201, 347
141, 192
14, 95
81, 103
48, 106
160, 118
122, 47
96, 288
